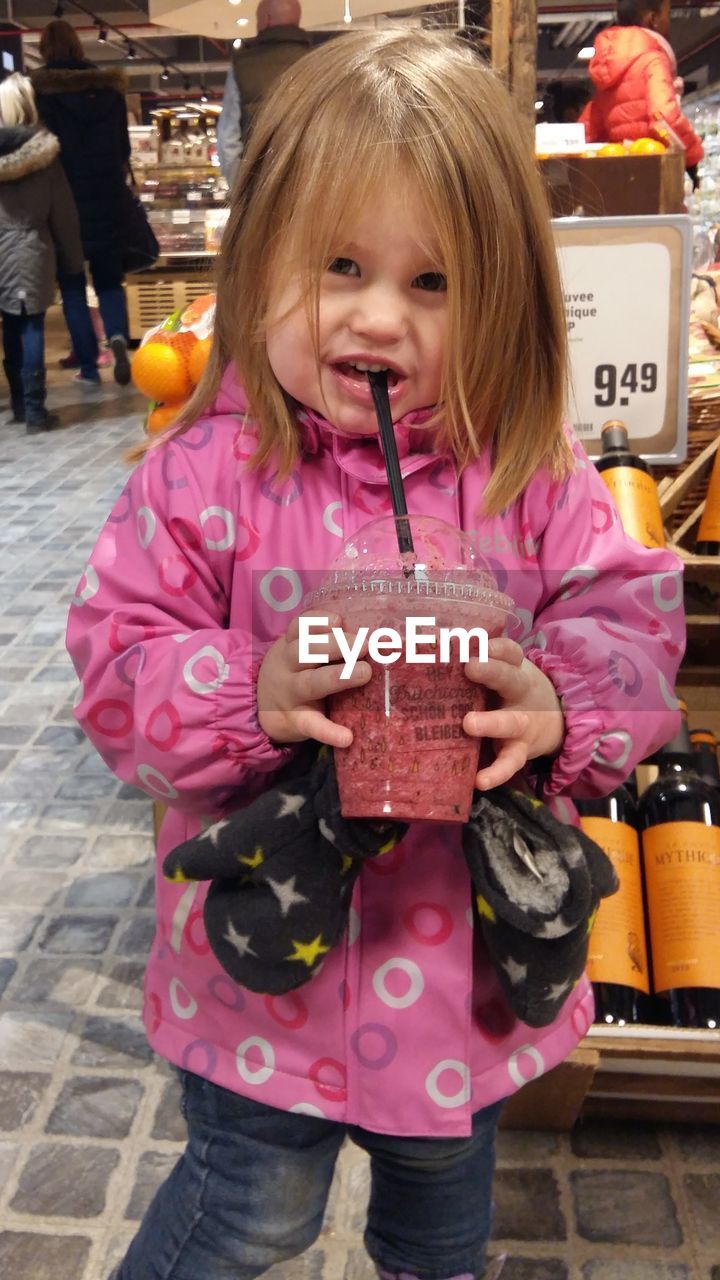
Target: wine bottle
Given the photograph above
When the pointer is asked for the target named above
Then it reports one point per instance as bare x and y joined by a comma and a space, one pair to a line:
708, 536
630, 482
617, 962
679, 817
630, 784
704, 744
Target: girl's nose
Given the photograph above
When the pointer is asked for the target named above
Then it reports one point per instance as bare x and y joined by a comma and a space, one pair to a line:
379, 314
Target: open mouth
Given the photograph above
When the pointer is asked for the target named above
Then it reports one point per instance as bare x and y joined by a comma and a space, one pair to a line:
351, 370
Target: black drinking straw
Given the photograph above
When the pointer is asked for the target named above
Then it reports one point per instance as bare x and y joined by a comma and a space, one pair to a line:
378, 386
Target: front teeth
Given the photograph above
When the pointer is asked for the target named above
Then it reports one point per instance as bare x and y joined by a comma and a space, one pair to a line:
368, 368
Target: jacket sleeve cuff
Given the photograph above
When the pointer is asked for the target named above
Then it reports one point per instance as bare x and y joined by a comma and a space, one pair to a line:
582, 720
237, 725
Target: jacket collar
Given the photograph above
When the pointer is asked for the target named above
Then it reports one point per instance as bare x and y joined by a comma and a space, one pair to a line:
361, 456
282, 34
78, 77
25, 150
665, 46
358, 456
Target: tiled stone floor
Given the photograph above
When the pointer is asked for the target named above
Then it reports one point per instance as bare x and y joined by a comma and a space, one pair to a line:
88, 1120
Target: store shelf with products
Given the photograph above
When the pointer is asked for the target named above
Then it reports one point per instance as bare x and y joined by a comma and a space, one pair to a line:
185, 197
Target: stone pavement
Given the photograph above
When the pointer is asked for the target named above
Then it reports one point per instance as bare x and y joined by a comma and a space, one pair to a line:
89, 1122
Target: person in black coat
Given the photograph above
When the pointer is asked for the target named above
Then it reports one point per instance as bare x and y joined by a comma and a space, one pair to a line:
84, 106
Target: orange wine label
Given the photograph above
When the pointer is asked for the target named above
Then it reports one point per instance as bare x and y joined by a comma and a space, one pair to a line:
709, 530
682, 875
617, 950
637, 503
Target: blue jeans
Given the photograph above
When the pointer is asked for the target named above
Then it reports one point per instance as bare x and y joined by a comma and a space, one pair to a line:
77, 318
251, 1188
24, 340
107, 277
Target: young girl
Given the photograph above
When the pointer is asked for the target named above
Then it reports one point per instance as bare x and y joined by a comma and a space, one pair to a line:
388, 213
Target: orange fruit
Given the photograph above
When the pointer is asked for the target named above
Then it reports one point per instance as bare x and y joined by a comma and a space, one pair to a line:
162, 416
182, 341
647, 147
198, 358
612, 149
160, 372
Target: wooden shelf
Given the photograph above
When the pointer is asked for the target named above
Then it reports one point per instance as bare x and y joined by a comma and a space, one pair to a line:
628, 1073
655, 1073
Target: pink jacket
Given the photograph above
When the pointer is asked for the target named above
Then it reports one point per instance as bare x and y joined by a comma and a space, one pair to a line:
201, 565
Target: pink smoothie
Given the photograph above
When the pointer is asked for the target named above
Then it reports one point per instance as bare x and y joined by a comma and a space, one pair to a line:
410, 758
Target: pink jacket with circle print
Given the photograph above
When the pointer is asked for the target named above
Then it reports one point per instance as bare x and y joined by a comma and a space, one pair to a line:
201, 566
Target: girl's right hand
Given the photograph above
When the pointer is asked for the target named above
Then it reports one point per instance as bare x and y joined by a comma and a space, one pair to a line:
291, 694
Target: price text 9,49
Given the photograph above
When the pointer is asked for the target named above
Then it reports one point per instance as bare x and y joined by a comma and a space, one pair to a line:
609, 381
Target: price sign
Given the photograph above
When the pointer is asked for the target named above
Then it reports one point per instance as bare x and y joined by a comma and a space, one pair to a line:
626, 284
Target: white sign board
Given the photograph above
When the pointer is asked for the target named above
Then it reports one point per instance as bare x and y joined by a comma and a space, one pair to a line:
626, 283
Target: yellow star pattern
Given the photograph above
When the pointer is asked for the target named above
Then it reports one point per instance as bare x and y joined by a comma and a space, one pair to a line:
485, 909
253, 860
177, 877
308, 952
346, 863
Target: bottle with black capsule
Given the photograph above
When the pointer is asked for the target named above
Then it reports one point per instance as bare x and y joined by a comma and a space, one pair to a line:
679, 818
704, 744
708, 535
629, 479
617, 954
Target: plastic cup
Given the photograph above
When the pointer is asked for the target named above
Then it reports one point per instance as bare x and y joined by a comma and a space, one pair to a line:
410, 758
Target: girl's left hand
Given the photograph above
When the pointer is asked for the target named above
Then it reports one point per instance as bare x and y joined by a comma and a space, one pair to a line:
530, 722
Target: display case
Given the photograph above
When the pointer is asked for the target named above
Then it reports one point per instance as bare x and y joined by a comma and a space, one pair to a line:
185, 196
178, 200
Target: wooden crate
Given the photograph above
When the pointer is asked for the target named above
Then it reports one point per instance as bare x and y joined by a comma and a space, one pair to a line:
153, 296
614, 186
655, 1073
628, 1073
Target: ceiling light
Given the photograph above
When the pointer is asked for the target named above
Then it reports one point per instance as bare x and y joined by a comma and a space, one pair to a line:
103, 35
241, 22
130, 51
237, 43
203, 93
236, 1
539, 104
186, 85
58, 11
164, 74
587, 53
347, 16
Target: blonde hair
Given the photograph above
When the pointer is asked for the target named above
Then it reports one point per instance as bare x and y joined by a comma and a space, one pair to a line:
17, 101
367, 109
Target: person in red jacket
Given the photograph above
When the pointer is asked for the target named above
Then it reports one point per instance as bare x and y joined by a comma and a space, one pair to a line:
634, 71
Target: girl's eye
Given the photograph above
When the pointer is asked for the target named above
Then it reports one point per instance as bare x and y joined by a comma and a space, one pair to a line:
431, 281
344, 267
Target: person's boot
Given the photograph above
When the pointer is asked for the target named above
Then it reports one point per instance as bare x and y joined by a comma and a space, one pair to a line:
13, 373
121, 371
37, 417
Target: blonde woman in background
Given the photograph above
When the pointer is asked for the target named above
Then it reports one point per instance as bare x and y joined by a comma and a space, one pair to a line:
39, 233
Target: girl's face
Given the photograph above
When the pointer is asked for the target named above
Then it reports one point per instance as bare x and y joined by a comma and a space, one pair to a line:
383, 302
